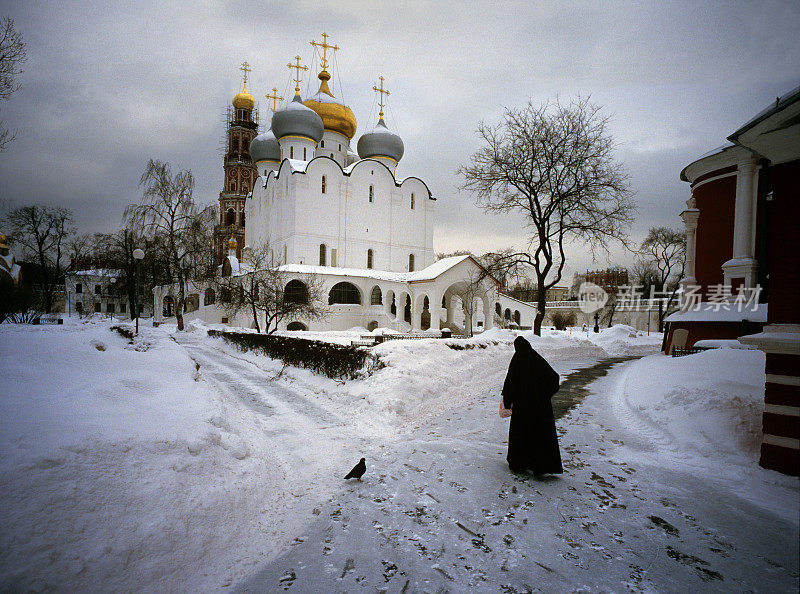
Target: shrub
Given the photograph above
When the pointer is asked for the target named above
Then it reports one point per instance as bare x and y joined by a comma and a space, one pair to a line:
333, 360
562, 319
123, 331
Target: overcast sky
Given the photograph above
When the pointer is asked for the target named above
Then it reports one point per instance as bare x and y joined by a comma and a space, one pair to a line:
109, 85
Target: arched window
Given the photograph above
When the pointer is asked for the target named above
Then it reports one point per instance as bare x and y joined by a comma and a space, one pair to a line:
291, 152
517, 318
295, 291
412, 200
346, 293
498, 309
304, 153
372, 193
369, 258
295, 326
241, 217
230, 217
411, 262
322, 143
323, 252
324, 184
507, 314
210, 297
375, 297
407, 309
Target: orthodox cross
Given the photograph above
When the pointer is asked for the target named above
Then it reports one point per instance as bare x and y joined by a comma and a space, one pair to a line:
245, 68
325, 47
298, 68
275, 98
382, 92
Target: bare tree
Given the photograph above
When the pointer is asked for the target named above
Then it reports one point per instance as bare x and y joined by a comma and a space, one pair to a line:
168, 212
664, 252
44, 233
12, 55
555, 165
260, 288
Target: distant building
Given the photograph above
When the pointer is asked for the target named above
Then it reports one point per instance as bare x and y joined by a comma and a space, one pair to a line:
103, 291
557, 293
610, 279
743, 262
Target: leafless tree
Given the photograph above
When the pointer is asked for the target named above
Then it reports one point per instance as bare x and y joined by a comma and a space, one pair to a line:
167, 213
12, 55
555, 165
44, 233
261, 288
664, 253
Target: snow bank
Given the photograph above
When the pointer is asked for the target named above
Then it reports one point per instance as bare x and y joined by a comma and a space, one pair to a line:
119, 468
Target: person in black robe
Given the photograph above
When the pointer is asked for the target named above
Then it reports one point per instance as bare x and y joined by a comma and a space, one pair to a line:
529, 385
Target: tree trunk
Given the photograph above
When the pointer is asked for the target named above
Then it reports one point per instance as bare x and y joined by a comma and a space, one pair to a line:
181, 299
255, 316
537, 321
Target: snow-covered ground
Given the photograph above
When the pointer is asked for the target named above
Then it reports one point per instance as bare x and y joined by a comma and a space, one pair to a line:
179, 463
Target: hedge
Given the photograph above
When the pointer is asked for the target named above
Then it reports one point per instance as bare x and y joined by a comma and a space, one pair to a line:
333, 360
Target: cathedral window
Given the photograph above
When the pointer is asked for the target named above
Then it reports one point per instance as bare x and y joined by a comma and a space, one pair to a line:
372, 193
369, 258
324, 184
230, 217
291, 152
323, 252
411, 262
340, 147
295, 291
322, 143
210, 297
375, 297
346, 293
412, 200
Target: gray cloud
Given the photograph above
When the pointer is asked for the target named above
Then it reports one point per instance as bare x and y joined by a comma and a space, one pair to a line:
108, 86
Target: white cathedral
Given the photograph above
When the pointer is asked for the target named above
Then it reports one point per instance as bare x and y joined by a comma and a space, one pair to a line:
352, 223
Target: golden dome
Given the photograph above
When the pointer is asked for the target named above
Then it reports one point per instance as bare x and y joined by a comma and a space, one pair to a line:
232, 243
244, 100
335, 116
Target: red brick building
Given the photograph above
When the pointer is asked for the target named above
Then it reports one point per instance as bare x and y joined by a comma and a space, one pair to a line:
743, 241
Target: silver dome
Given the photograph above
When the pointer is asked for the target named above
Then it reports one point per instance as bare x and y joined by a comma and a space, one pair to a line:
381, 142
297, 120
265, 147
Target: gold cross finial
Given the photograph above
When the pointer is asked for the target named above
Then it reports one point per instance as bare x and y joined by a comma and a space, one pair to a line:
325, 47
275, 98
382, 92
245, 68
298, 68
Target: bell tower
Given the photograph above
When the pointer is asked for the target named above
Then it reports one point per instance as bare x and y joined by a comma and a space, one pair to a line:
240, 171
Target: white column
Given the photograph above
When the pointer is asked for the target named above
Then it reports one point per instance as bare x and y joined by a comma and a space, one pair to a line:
690, 218
743, 264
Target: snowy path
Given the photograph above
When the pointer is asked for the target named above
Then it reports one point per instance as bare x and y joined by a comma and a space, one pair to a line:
439, 511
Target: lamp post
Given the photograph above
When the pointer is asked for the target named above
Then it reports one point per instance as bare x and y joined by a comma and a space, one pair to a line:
113, 280
138, 254
596, 321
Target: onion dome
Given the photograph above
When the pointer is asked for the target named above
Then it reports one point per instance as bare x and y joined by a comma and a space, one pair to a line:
265, 147
335, 116
381, 142
297, 120
244, 100
232, 243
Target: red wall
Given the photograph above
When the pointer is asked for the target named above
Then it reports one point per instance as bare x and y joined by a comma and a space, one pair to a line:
716, 202
784, 246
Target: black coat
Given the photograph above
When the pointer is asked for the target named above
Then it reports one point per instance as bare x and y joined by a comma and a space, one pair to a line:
529, 385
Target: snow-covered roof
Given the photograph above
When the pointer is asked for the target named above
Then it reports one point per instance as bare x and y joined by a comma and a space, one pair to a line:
426, 274
721, 312
113, 272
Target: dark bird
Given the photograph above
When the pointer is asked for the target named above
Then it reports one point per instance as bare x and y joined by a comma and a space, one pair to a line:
358, 470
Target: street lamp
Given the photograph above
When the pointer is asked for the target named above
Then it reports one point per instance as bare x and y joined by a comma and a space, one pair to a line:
138, 254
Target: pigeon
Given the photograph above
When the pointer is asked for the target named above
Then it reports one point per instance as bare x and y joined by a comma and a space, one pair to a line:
358, 470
